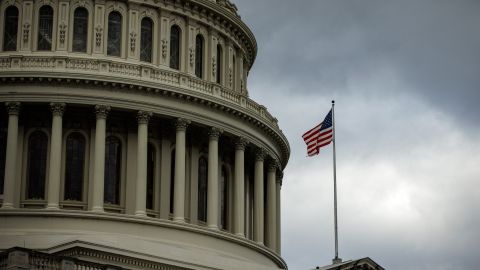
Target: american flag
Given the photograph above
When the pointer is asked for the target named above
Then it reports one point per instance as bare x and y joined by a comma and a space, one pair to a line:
319, 136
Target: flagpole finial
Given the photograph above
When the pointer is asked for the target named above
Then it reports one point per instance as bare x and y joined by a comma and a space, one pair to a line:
333, 101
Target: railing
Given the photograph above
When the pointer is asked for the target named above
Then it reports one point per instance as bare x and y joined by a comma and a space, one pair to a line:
128, 70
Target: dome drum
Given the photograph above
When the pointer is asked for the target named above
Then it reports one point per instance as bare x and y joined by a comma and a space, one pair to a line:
126, 130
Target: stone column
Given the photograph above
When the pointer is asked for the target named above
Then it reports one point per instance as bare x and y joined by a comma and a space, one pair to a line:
99, 158
279, 220
142, 144
213, 192
179, 187
271, 230
13, 109
258, 224
239, 188
55, 156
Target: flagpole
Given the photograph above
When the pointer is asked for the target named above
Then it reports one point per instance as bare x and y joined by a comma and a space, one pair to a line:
336, 259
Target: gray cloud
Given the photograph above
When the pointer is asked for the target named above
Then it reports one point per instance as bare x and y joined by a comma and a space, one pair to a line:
405, 75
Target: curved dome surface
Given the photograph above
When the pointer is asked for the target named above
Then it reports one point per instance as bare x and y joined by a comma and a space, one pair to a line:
127, 137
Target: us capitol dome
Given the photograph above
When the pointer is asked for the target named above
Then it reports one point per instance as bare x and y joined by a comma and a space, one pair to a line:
128, 139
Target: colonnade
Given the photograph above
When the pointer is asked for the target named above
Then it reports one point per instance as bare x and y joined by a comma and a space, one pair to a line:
265, 232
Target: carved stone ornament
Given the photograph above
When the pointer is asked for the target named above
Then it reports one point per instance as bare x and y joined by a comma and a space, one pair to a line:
26, 32
192, 55
102, 111
279, 177
260, 154
143, 117
57, 108
63, 28
230, 77
98, 35
214, 66
214, 133
181, 124
164, 48
81, 3
13, 108
272, 165
241, 143
133, 41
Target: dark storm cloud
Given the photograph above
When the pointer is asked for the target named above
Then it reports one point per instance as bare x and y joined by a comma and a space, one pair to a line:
406, 75
432, 44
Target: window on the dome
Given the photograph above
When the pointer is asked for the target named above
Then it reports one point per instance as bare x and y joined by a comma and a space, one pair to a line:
199, 56
150, 176
114, 42
175, 47
202, 189
74, 165
223, 198
172, 179
113, 159
3, 153
234, 72
80, 30
37, 165
146, 40
10, 29
219, 63
45, 28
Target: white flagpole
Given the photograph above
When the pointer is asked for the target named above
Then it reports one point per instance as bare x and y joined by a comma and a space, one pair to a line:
336, 259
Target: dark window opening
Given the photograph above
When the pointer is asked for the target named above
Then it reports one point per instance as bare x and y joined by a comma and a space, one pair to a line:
114, 42
113, 159
74, 166
150, 176
45, 28
10, 29
202, 188
175, 47
37, 165
199, 56
146, 40
80, 30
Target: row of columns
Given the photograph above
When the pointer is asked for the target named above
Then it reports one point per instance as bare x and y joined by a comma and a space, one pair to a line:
102, 111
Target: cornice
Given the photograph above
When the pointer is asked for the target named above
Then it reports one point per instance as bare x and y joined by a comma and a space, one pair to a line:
147, 79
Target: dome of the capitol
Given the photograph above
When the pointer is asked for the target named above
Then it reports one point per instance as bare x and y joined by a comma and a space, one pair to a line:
128, 139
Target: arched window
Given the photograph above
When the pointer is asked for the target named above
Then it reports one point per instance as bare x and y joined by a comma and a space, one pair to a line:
45, 28
10, 29
175, 47
37, 165
113, 160
199, 56
223, 198
3, 153
219, 63
114, 43
146, 40
172, 179
234, 72
80, 30
150, 175
202, 188
74, 165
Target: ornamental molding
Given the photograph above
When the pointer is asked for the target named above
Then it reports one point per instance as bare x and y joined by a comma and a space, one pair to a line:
26, 32
101, 111
143, 117
164, 48
241, 143
260, 154
214, 133
181, 124
133, 41
63, 28
13, 108
57, 108
98, 35
121, 76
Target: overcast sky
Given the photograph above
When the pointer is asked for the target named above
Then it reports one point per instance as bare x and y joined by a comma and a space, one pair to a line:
405, 76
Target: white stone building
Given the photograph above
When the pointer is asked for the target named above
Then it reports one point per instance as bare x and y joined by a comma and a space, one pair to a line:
128, 139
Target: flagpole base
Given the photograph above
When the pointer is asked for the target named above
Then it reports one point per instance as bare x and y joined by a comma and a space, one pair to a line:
336, 260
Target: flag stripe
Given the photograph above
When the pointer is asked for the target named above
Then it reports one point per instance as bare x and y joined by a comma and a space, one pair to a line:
319, 136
